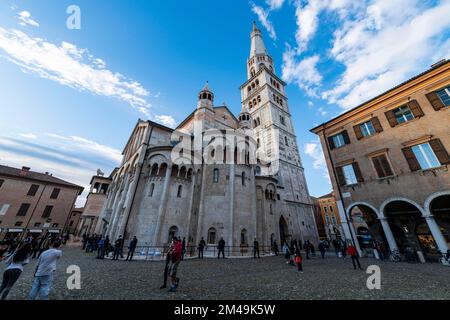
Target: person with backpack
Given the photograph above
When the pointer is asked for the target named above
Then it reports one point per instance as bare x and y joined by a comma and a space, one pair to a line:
287, 253
15, 263
353, 253
175, 260
322, 249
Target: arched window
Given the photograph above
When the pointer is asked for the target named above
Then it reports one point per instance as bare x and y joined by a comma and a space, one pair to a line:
174, 173
183, 172
244, 237
258, 143
162, 170
286, 141
259, 121
250, 105
211, 236
216, 175
267, 194
152, 190
180, 191
243, 178
154, 171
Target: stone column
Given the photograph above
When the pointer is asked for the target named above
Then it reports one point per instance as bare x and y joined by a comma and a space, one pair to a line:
232, 220
201, 205
254, 206
162, 207
437, 234
388, 233
191, 203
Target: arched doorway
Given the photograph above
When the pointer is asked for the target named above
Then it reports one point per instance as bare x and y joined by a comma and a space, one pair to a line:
368, 230
284, 230
410, 230
440, 209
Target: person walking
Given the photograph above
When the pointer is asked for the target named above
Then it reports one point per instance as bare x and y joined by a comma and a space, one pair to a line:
353, 253
307, 248
43, 277
322, 248
84, 241
15, 263
221, 248
298, 259
117, 247
175, 260
131, 248
201, 248
275, 247
166, 267
256, 249
45, 246
101, 249
287, 253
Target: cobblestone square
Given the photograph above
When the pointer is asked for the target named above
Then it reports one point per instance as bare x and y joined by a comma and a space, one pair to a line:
236, 279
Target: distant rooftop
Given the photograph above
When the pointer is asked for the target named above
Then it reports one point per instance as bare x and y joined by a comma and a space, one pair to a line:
26, 173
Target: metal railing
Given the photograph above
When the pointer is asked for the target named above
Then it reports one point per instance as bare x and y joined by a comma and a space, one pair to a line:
159, 253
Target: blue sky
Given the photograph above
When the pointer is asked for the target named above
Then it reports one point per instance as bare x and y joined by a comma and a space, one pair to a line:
70, 98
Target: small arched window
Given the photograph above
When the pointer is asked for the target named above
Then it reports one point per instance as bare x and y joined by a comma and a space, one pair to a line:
212, 236
154, 171
152, 190
216, 175
180, 191
286, 141
243, 178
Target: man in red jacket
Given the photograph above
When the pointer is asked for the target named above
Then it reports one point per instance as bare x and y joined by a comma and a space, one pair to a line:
176, 255
352, 252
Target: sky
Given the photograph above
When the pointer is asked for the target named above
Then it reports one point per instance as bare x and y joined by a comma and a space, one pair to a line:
70, 97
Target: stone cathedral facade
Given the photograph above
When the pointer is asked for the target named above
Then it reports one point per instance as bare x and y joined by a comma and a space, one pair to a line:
186, 182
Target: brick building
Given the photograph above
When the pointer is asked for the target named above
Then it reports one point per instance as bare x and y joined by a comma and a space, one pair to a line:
34, 202
389, 158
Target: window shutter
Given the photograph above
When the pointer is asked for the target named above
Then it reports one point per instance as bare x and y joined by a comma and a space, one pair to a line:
346, 137
391, 118
377, 125
415, 108
358, 173
358, 132
386, 166
331, 143
411, 159
378, 167
340, 176
440, 152
435, 101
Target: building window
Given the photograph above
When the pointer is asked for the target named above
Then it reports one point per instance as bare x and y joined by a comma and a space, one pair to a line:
283, 122
33, 190
403, 114
71, 223
444, 95
211, 236
425, 156
286, 142
382, 166
180, 191
23, 210
339, 140
18, 224
216, 176
244, 237
1, 182
327, 219
243, 178
55, 193
367, 129
349, 175
47, 211
331, 209
37, 224
333, 219
152, 190
4, 209
325, 209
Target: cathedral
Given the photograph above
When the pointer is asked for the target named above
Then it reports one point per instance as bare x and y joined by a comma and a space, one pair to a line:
216, 175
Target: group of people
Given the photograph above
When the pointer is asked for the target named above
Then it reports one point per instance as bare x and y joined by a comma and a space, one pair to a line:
17, 253
103, 246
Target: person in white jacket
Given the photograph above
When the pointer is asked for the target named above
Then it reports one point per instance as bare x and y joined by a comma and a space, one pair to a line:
14, 269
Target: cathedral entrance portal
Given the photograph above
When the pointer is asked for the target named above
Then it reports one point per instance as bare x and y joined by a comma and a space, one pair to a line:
284, 231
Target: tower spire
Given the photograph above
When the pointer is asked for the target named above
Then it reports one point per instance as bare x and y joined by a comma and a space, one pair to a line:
257, 42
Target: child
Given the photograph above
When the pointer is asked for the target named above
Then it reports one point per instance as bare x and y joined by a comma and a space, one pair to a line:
298, 260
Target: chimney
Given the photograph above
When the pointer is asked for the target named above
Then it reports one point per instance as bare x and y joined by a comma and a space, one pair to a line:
24, 171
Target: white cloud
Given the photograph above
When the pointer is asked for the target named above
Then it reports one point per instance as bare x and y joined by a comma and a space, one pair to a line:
71, 158
28, 135
275, 4
304, 72
73, 67
26, 20
390, 42
314, 150
322, 111
166, 120
263, 17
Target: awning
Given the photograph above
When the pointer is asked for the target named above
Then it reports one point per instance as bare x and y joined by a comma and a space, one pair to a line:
53, 231
35, 231
15, 230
